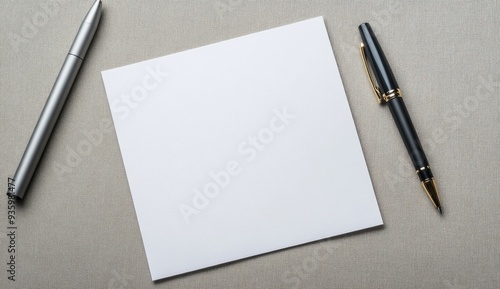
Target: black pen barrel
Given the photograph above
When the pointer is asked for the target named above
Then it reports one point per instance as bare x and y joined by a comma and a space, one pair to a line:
410, 137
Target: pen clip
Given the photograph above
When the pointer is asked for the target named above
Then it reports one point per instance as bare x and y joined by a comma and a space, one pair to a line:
376, 89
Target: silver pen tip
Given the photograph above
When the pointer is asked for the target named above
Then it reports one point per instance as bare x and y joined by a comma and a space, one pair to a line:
440, 210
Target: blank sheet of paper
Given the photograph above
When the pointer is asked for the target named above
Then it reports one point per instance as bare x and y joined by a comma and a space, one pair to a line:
240, 148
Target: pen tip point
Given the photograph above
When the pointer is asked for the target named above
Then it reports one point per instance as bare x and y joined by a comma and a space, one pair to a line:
440, 210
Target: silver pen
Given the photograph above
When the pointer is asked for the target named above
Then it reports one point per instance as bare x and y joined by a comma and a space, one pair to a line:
55, 102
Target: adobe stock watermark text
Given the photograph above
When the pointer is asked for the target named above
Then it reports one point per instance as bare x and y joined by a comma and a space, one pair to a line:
221, 179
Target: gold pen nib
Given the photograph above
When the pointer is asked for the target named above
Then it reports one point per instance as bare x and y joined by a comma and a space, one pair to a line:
432, 191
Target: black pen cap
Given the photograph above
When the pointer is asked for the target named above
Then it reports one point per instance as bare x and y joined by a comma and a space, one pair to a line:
376, 60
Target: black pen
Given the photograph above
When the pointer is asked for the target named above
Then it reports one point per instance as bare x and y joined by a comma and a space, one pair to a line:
387, 92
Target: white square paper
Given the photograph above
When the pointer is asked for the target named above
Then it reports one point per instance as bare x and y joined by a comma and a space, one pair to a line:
240, 148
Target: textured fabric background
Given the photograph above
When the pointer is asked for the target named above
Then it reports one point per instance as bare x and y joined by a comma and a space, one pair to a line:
78, 229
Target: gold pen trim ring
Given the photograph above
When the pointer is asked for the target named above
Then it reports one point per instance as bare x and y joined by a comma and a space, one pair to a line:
423, 168
392, 94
